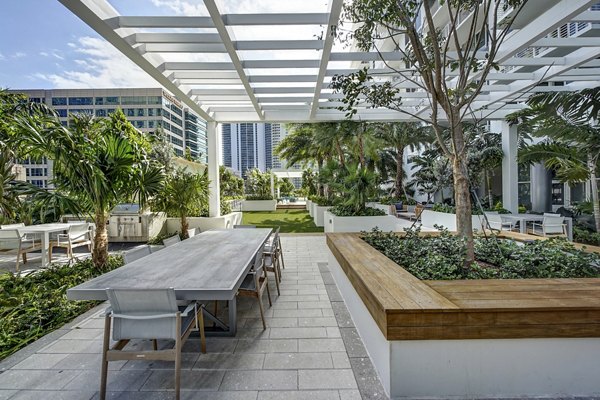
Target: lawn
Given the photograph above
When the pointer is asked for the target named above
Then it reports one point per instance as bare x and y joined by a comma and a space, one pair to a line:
290, 221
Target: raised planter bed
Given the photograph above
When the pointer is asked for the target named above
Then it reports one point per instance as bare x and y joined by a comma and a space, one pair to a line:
259, 205
469, 339
205, 223
308, 205
386, 223
447, 220
386, 208
319, 214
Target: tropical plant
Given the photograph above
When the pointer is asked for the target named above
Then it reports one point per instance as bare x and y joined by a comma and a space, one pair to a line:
184, 194
162, 151
484, 156
358, 184
432, 174
286, 187
258, 184
569, 121
309, 184
451, 83
96, 163
231, 186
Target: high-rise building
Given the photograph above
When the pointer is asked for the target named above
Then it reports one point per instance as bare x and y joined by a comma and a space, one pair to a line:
147, 109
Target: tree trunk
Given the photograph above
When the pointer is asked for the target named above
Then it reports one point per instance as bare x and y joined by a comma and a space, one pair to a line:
184, 226
595, 200
489, 189
361, 151
399, 172
462, 198
340, 152
100, 251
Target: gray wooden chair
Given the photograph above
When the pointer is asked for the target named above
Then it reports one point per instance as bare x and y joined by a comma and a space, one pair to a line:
170, 241
193, 232
271, 253
13, 240
274, 246
139, 314
77, 235
137, 253
255, 284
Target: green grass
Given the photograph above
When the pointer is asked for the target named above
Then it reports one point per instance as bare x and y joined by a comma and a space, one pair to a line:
290, 221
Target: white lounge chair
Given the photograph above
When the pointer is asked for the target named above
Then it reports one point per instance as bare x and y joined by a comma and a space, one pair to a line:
12, 240
552, 225
496, 222
77, 235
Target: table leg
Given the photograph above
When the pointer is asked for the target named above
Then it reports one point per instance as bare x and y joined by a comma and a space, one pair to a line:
522, 226
232, 316
569, 229
45, 242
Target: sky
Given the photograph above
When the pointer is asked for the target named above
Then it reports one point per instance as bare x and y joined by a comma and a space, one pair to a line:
45, 46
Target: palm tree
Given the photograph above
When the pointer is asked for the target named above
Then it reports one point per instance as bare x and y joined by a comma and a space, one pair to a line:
96, 163
184, 194
570, 121
484, 156
401, 136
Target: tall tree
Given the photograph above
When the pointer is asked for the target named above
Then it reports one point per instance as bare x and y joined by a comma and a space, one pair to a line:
445, 62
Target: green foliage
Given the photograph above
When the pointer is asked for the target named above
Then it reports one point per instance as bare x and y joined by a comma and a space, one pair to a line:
321, 201
586, 236
290, 221
341, 210
36, 304
258, 185
231, 186
286, 187
309, 182
356, 185
442, 257
183, 195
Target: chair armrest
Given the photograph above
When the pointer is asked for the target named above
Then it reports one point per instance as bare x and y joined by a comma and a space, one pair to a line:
144, 317
191, 307
107, 312
536, 224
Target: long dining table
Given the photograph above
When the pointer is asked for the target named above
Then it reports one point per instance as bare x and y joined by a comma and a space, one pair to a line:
207, 267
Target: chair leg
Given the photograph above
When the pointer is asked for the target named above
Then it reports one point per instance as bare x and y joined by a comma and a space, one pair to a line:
281, 254
268, 290
50, 254
24, 255
216, 310
178, 359
202, 334
155, 344
17, 264
262, 310
105, 344
276, 273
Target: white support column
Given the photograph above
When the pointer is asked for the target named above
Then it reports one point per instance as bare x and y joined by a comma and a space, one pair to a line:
214, 197
272, 184
510, 170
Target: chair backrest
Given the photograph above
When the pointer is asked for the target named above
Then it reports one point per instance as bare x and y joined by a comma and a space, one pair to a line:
258, 260
12, 226
171, 240
399, 206
419, 209
193, 232
9, 239
553, 223
244, 227
143, 313
493, 216
136, 254
76, 230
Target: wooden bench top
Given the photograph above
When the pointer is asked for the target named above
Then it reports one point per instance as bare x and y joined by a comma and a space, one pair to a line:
406, 308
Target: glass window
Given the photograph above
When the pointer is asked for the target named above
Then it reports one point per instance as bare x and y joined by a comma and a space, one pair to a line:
99, 101
81, 111
80, 101
577, 193
176, 109
524, 173
525, 195
35, 100
151, 124
176, 120
151, 112
112, 100
62, 113
558, 194
111, 111
64, 123
59, 101
127, 100
154, 99
101, 113
141, 112
130, 112
140, 124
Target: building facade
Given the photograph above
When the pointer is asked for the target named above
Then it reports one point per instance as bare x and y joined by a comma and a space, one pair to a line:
148, 109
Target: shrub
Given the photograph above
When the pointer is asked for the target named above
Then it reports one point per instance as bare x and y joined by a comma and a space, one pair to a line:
350, 211
586, 237
36, 304
259, 197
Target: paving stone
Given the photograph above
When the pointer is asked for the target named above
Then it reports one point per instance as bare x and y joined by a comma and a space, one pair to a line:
242, 395
86, 361
53, 395
117, 380
40, 361
299, 395
298, 333
187, 362
320, 345
326, 379
368, 382
69, 346
285, 305
342, 315
340, 360
267, 346
36, 379
216, 361
350, 395
327, 278
254, 333
190, 380
5, 394
333, 293
353, 343
213, 345
317, 321
300, 313
90, 334
260, 380
298, 361
314, 304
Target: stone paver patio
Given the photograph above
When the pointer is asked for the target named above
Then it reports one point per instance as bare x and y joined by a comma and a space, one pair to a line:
310, 350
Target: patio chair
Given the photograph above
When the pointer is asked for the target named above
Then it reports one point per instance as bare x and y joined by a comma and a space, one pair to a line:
271, 258
170, 241
137, 253
28, 236
244, 227
11, 239
552, 225
419, 208
193, 232
139, 314
255, 284
496, 223
77, 235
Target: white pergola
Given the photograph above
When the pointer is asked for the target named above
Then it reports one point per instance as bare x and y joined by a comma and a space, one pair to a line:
283, 79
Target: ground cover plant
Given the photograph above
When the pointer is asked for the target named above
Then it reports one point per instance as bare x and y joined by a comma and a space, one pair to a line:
442, 257
290, 221
33, 305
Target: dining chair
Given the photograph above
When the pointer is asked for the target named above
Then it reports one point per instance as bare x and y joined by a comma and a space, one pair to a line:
148, 314
496, 222
136, 253
193, 232
170, 241
271, 258
552, 225
11, 239
255, 284
77, 235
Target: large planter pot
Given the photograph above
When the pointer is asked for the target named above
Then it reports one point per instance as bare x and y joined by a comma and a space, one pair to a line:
319, 214
386, 223
206, 223
259, 205
308, 205
430, 218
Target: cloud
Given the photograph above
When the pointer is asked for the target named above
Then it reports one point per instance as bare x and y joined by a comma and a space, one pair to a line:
100, 66
2, 56
54, 54
18, 54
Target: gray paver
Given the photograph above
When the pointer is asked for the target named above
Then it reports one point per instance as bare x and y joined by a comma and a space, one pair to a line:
298, 361
298, 333
299, 395
40, 361
53, 395
215, 361
260, 380
190, 380
326, 379
353, 343
267, 346
36, 379
117, 380
320, 345
368, 383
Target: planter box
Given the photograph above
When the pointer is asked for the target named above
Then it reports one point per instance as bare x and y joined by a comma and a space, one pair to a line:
311, 209
469, 339
308, 205
259, 205
386, 223
319, 214
447, 220
206, 223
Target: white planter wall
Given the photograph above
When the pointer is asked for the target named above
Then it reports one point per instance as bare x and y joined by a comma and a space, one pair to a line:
383, 207
319, 214
206, 223
311, 209
308, 205
385, 223
484, 368
448, 221
259, 205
